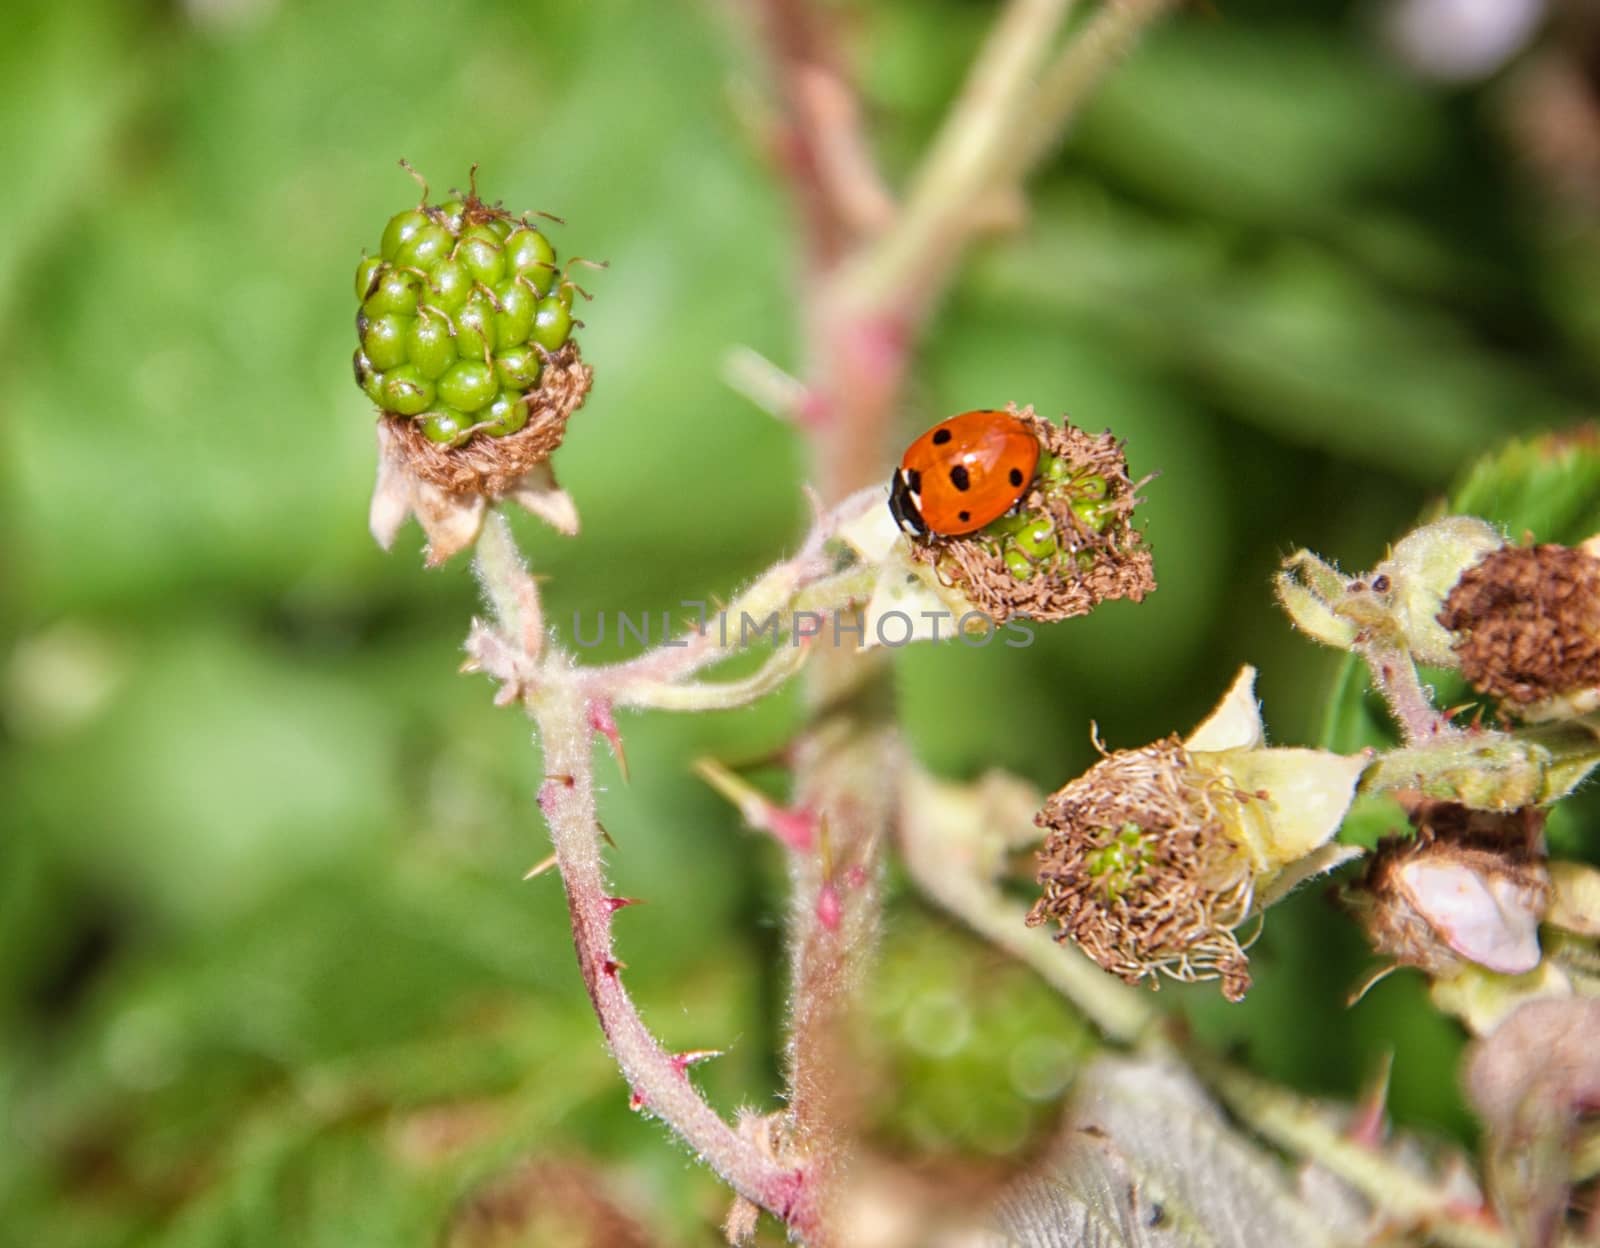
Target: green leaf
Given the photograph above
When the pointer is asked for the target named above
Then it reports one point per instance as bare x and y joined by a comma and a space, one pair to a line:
1547, 485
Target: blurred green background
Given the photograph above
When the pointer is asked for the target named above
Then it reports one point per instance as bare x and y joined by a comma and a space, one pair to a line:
268, 973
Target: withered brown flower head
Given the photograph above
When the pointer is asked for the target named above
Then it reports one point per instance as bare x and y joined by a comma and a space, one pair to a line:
1144, 869
1527, 622
1097, 554
1469, 885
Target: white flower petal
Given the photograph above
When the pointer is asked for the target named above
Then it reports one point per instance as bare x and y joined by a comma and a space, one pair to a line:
1236, 723
1486, 919
906, 605
872, 534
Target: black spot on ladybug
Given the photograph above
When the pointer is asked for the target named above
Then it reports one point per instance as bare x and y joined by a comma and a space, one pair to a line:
941, 436
913, 481
1016, 476
965, 516
959, 477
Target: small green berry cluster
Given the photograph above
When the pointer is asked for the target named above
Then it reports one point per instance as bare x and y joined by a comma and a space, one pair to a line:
459, 310
1121, 858
1028, 541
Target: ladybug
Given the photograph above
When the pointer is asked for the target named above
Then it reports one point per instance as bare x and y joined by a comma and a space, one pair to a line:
964, 473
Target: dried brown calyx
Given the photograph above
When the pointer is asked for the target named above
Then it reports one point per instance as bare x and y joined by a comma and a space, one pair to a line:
1526, 621
1144, 867
1068, 546
492, 467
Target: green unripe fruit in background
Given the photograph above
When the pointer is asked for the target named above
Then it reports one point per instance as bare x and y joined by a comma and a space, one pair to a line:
459, 309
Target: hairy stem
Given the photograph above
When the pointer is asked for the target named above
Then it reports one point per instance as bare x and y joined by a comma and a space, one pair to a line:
913, 262
834, 905
659, 1080
1394, 674
1003, 125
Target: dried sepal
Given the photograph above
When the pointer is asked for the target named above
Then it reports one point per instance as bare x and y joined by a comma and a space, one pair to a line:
450, 489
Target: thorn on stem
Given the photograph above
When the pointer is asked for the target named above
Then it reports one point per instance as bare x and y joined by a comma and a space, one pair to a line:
693, 1057
549, 789
604, 722
610, 967
1367, 1124
613, 904
794, 828
636, 1101
540, 867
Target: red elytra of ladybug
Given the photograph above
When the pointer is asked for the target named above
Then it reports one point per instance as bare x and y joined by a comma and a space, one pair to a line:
964, 473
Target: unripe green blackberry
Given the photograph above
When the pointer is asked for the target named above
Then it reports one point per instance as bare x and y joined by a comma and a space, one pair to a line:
462, 313
465, 331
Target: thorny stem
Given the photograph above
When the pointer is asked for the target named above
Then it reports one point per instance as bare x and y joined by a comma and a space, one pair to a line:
775, 591
560, 695
659, 1080
1081, 66
858, 346
822, 145
863, 304
914, 260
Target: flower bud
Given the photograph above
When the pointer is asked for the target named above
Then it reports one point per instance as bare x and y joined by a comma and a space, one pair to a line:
1469, 886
